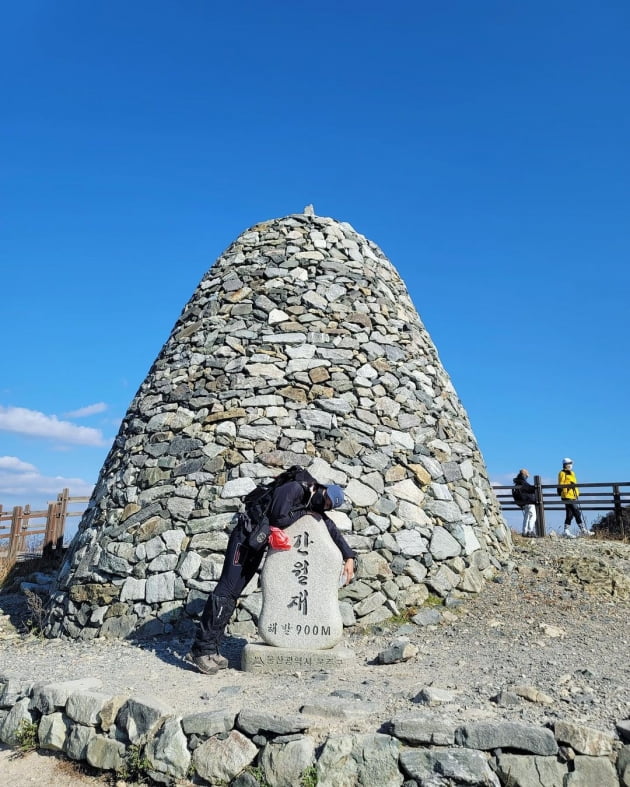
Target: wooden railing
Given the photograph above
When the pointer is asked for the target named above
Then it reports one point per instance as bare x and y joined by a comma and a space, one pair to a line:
609, 496
20, 524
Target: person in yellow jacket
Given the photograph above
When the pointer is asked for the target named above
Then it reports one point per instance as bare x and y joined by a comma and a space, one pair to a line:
569, 492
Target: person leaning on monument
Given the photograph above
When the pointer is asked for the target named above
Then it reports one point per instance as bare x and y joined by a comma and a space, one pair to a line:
524, 495
569, 492
290, 502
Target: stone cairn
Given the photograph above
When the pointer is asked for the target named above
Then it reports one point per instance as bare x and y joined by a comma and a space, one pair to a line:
300, 346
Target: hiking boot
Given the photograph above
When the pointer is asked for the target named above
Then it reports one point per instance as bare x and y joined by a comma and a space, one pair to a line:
208, 663
568, 534
586, 532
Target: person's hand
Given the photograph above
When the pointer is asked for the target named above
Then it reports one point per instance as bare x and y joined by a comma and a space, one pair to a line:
347, 571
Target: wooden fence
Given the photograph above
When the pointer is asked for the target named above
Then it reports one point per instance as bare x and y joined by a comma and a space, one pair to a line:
608, 496
21, 523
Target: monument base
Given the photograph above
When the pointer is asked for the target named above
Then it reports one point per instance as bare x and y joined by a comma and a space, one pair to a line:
257, 657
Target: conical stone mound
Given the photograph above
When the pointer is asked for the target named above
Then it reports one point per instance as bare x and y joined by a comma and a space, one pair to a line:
299, 346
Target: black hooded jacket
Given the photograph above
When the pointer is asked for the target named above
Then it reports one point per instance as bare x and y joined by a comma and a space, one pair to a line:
287, 506
524, 493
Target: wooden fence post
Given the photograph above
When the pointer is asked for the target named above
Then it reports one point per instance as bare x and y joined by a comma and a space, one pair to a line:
16, 528
23, 530
618, 510
49, 536
540, 507
62, 509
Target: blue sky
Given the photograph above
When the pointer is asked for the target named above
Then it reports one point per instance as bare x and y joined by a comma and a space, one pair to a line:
483, 146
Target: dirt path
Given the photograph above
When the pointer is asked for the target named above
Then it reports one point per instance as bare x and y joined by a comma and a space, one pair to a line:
43, 769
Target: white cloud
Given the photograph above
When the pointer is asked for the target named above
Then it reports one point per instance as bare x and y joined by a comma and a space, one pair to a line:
30, 486
90, 409
15, 464
504, 479
35, 424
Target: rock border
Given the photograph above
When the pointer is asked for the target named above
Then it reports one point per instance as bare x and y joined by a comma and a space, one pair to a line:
112, 733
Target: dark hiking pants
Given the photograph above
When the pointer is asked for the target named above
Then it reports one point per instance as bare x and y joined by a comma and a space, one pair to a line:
239, 566
572, 509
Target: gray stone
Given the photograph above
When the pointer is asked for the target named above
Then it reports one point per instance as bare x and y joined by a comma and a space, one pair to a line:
360, 494
521, 770
623, 729
427, 617
208, 723
366, 760
369, 604
315, 419
85, 707
133, 589
431, 696
163, 563
443, 545
407, 490
399, 650
118, 628
371, 566
410, 542
284, 763
12, 690
425, 730
379, 614
356, 590
167, 750
14, 721
258, 722
339, 708
189, 567
415, 596
53, 730
458, 766
505, 699
591, 771
105, 754
623, 766
138, 715
415, 570
487, 735
174, 539
446, 511
472, 580
443, 580
239, 487
300, 602
470, 541
107, 716
47, 697
160, 587
77, 742
218, 761
411, 515
584, 740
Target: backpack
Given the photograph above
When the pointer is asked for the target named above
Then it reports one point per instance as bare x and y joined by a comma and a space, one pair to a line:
255, 519
517, 495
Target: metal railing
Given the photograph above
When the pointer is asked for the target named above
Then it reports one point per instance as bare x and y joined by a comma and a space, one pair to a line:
610, 496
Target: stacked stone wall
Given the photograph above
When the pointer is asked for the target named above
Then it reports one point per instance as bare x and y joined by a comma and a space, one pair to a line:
219, 747
300, 345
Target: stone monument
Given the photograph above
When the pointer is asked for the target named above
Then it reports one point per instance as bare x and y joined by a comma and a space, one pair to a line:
301, 346
300, 619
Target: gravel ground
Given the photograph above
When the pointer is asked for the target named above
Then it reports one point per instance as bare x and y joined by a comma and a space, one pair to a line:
556, 620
